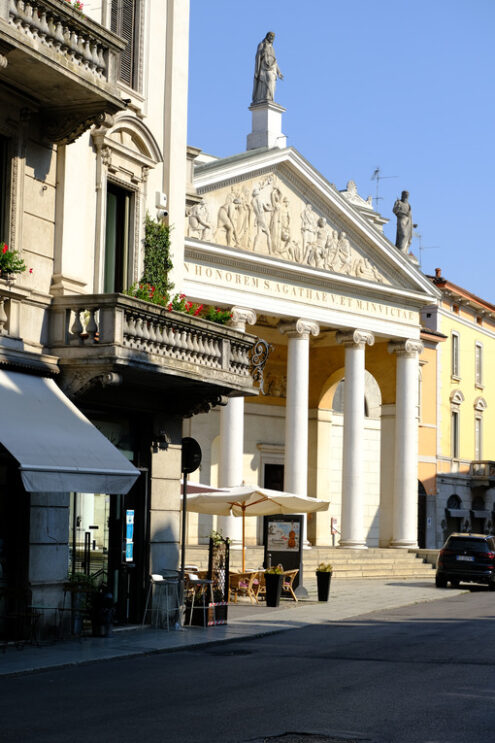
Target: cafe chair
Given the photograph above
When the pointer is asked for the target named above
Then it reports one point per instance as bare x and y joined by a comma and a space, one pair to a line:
288, 577
244, 583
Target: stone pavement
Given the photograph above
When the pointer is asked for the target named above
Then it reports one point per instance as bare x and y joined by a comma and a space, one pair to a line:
348, 598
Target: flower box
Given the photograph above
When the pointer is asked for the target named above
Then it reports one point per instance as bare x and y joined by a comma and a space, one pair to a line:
207, 616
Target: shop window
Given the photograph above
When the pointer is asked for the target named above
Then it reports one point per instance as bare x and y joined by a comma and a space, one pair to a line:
455, 355
478, 363
126, 22
117, 239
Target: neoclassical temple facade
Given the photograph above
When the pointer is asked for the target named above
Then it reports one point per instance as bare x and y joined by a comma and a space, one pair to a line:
307, 268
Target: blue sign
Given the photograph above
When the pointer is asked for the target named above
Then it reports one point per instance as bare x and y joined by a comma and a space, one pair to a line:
129, 535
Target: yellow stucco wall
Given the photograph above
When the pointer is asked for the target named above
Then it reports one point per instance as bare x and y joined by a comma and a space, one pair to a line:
471, 328
427, 432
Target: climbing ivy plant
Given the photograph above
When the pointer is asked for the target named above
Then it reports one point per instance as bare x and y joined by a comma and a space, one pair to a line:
155, 286
157, 261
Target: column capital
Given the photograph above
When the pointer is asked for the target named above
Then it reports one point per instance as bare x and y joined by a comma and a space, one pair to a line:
410, 347
355, 338
299, 328
241, 316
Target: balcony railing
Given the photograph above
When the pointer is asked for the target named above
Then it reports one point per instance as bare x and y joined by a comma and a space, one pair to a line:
62, 59
482, 469
117, 329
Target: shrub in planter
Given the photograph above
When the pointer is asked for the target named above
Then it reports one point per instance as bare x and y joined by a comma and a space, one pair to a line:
102, 609
323, 578
273, 584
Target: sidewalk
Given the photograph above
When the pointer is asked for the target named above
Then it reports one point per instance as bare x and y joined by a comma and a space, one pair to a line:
348, 598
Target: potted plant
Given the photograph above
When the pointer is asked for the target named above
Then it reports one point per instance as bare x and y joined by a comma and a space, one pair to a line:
10, 262
102, 609
81, 588
323, 578
273, 585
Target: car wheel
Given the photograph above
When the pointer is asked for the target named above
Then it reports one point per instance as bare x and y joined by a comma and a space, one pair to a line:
491, 585
440, 581
455, 583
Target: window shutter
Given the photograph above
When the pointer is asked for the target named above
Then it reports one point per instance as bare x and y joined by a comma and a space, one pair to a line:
124, 23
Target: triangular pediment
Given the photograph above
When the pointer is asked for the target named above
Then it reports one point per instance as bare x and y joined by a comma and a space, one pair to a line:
273, 203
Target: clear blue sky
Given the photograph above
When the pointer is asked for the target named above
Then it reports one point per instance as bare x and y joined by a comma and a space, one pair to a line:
406, 86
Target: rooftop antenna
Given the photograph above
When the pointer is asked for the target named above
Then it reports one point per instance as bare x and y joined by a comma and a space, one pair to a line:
422, 247
377, 176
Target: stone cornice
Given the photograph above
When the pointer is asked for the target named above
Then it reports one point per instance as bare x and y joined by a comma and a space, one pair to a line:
278, 268
355, 338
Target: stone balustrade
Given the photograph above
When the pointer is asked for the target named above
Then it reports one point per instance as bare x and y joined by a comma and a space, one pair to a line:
47, 46
63, 29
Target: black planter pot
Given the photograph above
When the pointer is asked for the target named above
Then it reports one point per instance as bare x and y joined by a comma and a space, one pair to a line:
323, 583
273, 582
102, 612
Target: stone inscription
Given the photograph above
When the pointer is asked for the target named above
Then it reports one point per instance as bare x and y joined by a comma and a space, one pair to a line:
264, 216
320, 298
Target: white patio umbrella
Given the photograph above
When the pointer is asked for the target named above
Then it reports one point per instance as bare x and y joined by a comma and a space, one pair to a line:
199, 487
252, 500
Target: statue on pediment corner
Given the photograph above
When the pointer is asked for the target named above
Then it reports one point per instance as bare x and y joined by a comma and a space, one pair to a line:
402, 210
266, 71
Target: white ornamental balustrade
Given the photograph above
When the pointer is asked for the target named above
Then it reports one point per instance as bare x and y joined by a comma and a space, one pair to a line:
61, 29
93, 332
166, 336
157, 332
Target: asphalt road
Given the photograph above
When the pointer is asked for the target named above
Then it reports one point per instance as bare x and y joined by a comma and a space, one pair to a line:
418, 674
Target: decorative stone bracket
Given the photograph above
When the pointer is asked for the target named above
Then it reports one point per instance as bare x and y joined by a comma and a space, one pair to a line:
46, 46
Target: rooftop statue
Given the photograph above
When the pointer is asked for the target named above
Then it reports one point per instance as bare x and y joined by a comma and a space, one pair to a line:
402, 210
266, 71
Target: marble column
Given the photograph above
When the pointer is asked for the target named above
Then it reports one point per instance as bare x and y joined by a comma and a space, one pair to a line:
352, 529
232, 440
405, 497
296, 406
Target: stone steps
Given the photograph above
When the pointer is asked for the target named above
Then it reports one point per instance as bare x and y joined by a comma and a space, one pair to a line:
371, 563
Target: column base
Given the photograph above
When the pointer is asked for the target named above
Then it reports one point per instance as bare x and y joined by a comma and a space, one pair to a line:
352, 544
403, 544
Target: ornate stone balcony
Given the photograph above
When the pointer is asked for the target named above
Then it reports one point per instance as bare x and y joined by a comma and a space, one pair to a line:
61, 59
482, 473
107, 342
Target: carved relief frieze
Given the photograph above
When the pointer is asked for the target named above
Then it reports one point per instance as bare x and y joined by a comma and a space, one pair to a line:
263, 215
